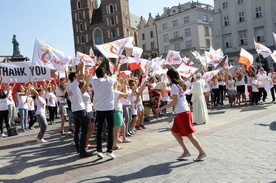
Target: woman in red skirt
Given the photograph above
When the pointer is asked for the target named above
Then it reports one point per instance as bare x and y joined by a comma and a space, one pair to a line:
183, 123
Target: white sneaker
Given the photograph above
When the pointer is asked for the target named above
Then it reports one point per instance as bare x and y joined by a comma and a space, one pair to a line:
3, 135
111, 155
100, 155
41, 140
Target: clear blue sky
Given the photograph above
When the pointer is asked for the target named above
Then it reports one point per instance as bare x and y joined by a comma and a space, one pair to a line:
50, 21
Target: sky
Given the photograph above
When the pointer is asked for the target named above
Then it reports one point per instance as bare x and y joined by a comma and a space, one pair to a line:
50, 21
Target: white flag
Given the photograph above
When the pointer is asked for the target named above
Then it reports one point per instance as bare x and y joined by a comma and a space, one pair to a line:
137, 52
185, 70
86, 59
173, 57
261, 49
196, 54
207, 76
46, 56
273, 56
274, 35
113, 49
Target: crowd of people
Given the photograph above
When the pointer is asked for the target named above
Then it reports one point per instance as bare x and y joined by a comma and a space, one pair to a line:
113, 104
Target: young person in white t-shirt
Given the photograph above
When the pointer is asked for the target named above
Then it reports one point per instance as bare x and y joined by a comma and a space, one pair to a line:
11, 104
4, 113
255, 90
183, 123
22, 95
52, 103
78, 108
40, 113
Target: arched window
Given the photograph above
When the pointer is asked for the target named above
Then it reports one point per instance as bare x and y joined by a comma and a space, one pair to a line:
80, 15
111, 8
98, 36
78, 4
81, 27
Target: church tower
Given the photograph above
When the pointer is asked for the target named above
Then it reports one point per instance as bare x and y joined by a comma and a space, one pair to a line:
82, 13
93, 24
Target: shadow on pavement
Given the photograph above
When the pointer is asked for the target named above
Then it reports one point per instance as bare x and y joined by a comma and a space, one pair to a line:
149, 171
272, 125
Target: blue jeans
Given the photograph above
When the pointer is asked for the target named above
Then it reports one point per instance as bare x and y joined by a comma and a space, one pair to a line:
23, 113
81, 120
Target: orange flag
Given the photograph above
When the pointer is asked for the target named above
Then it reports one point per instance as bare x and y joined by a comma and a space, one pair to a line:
245, 58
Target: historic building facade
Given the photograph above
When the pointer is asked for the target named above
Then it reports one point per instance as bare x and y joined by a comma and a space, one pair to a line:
93, 24
147, 35
238, 22
186, 27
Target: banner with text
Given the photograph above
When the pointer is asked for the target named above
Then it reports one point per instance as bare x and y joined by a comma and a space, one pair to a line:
23, 72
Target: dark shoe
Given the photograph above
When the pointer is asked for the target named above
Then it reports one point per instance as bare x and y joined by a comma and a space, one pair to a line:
85, 154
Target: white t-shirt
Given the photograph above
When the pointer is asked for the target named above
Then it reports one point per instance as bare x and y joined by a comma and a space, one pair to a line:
51, 99
182, 104
254, 87
240, 82
30, 103
60, 95
103, 99
133, 107
249, 80
22, 103
10, 98
87, 101
230, 85
3, 104
117, 102
75, 96
126, 100
262, 78
207, 87
40, 105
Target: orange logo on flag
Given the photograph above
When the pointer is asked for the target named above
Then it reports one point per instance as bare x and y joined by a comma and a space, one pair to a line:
112, 48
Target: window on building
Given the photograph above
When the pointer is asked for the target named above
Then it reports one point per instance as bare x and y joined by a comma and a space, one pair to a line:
81, 27
226, 21
144, 47
208, 43
77, 28
143, 36
189, 44
111, 8
186, 20
175, 23
242, 38
113, 34
258, 12
239, 1
177, 46
241, 17
166, 38
152, 46
78, 4
188, 32
205, 18
259, 34
166, 48
98, 37
82, 39
211, 19
151, 34
224, 5
176, 34
227, 41
112, 22
206, 30
80, 16
165, 26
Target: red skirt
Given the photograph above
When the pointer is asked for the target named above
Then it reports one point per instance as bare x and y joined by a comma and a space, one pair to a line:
183, 124
249, 89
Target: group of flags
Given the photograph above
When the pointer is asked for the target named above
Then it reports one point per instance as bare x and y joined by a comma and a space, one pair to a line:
47, 56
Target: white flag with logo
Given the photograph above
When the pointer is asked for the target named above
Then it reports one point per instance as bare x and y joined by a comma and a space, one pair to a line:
261, 49
173, 57
86, 59
46, 56
114, 49
185, 70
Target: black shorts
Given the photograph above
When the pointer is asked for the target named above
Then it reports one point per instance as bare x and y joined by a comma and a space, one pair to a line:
241, 89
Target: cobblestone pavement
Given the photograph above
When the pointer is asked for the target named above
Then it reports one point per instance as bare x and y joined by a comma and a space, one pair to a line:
240, 143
